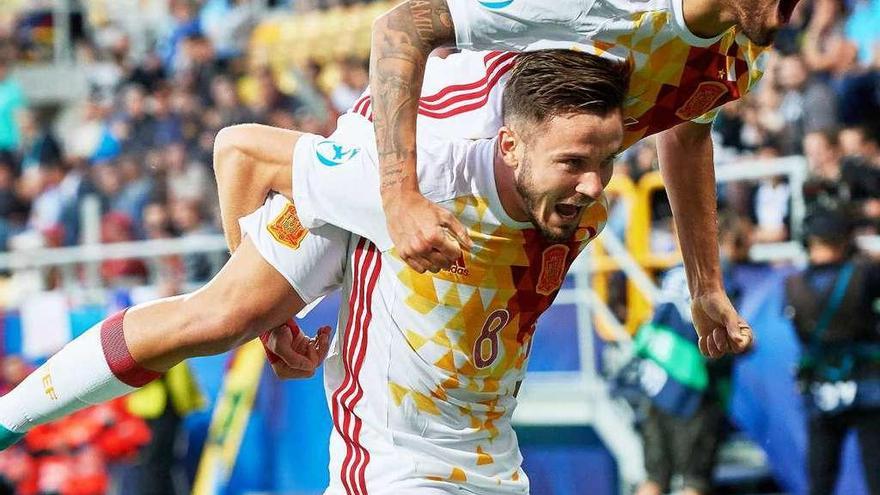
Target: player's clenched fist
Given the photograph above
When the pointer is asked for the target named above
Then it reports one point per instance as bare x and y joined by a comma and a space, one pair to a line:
720, 328
293, 354
427, 237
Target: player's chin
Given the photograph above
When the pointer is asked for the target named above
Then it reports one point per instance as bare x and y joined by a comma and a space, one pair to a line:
762, 36
559, 230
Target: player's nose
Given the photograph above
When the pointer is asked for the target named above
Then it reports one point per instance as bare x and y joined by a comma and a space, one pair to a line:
590, 185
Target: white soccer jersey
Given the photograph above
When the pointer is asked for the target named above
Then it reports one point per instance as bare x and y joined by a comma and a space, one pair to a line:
421, 376
676, 75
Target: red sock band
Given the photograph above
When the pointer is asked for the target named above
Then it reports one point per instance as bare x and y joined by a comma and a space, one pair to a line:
122, 365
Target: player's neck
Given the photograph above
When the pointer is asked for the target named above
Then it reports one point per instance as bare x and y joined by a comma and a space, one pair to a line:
510, 198
708, 18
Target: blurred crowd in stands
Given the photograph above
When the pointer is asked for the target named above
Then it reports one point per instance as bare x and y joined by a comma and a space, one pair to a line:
142, 140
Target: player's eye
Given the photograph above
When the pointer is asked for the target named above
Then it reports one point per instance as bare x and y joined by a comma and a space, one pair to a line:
572, 164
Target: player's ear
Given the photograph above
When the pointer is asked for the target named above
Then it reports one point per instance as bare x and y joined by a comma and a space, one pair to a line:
509, 143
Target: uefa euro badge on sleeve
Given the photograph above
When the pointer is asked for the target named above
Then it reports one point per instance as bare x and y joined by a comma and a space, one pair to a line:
332, 154
287, 229
495, 4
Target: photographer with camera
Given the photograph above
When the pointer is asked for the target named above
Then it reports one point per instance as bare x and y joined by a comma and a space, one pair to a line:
833, 306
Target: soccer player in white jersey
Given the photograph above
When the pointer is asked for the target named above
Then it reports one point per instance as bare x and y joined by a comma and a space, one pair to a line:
421, 380
688, 57
424, 370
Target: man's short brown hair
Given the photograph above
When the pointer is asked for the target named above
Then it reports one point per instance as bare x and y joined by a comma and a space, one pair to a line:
549, 83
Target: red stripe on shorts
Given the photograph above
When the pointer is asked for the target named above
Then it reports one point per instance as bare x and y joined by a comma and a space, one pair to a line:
360, 465
367, 263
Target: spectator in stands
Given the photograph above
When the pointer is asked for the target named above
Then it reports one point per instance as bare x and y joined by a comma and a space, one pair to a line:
136, 127
188, 220
227, 104
860, 174
808, 104
109, 185
832, 307
12, 208
157, 222
823, 157
860, 142
76, 186
169, 126
763, 121
85, 138
46, 211
186, 179
103, 74
117, 227
772, 201
12, 103
149, 74
182, 23
228, 25
353, 80
200, 65
644, 159
269, 97
136, 191
827, 51
38, 143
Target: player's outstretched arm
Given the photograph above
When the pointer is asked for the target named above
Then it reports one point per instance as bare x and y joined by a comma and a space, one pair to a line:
687, 165
249, 161
402, 40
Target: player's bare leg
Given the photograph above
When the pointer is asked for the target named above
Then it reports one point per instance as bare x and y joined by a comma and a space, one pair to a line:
132, 348
247, 297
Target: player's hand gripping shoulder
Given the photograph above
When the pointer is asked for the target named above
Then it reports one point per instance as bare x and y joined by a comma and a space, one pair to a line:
292, 354
426, 237
402, 40
720, 328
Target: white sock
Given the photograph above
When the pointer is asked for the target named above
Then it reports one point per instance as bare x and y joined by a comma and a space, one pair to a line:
79, 375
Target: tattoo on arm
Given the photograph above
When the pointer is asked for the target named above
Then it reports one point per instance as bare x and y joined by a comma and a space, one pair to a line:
402, 40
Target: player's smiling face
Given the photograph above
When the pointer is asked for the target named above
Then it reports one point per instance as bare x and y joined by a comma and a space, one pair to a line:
562, 166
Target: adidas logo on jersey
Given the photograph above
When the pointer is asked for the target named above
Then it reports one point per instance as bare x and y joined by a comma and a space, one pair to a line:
459, 268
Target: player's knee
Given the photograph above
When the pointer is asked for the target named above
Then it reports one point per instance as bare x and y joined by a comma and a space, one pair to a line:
228, 144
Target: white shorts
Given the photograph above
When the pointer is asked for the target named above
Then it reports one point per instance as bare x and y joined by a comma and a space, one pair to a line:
312, 261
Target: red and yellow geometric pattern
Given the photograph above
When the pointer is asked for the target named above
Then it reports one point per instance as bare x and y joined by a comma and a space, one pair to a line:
473, 325
673, 81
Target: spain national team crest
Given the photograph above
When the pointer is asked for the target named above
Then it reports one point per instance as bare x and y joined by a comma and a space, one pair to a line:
704, 99
287, 229
552, 269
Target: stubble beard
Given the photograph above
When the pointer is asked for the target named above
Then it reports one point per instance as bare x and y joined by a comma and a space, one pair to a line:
525, 187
